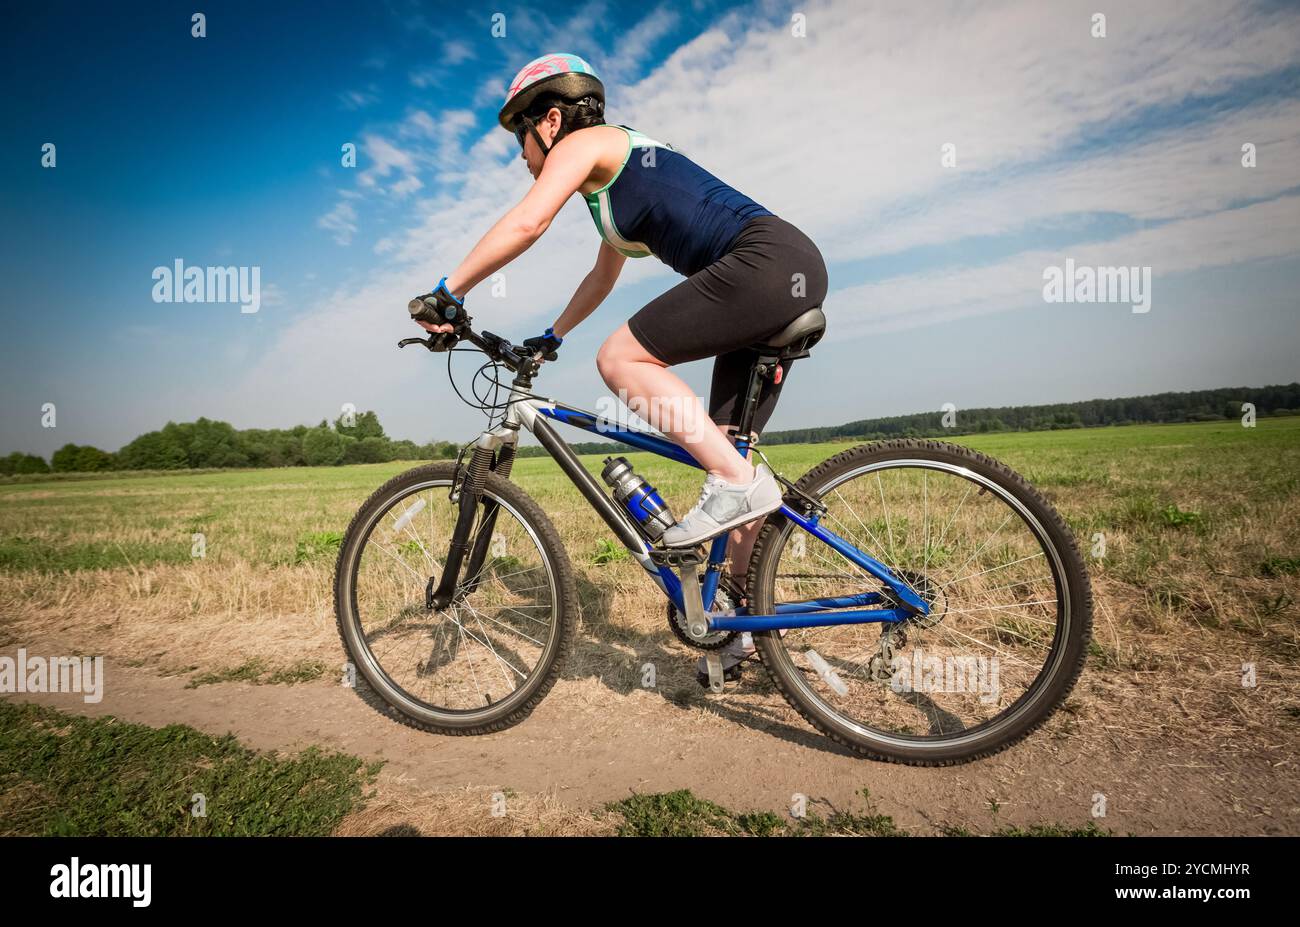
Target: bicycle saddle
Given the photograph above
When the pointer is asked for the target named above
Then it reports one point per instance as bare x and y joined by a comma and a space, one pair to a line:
797, 338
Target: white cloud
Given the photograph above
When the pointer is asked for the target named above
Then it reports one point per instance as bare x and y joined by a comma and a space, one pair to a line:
491, 92
1170, 174
358, 99
419, 122
407, 185
843, 129
633, 46
341, 221
446, 69
1253, 233
272, 294
426, 77
456, 52
381, 158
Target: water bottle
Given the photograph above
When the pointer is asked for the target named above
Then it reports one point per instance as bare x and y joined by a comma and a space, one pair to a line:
638, 497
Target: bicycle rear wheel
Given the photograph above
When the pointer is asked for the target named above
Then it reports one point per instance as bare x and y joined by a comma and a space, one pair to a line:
482, 663
1010, 604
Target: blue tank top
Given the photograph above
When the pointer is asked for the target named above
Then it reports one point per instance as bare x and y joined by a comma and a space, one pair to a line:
662, 203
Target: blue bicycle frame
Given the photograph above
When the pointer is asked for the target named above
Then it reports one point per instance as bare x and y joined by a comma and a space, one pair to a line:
533, 413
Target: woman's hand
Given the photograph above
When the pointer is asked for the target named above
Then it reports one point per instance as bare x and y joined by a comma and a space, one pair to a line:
441, 303
435, 328
545, 345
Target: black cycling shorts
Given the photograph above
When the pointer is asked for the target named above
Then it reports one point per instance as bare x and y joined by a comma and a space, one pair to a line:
748, 294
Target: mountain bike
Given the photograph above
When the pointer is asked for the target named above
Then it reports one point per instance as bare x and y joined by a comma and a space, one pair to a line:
914, 600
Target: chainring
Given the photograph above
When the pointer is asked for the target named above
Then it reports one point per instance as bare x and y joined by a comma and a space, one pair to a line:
714, 640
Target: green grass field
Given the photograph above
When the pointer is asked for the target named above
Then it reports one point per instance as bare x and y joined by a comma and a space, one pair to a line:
1107, 478
1229, 489
65, 775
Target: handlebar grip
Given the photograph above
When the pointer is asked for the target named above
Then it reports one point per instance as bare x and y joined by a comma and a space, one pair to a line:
430, 309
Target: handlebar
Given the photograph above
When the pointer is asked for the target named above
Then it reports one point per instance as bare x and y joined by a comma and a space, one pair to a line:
517, 360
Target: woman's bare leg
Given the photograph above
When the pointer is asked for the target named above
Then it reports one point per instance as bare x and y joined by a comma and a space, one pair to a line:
659, 396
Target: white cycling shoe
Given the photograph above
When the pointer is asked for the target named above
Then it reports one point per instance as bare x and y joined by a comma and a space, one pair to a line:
724, 506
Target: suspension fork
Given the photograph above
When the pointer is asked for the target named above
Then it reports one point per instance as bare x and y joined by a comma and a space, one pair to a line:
505, 459
483, 460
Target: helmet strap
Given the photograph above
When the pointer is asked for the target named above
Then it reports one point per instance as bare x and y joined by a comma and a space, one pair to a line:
537, 137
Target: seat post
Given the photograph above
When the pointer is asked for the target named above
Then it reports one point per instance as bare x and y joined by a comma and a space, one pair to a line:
790, 343
763, 369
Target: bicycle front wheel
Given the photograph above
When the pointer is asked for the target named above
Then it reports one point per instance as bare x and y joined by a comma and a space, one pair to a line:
1010, 604
482, 663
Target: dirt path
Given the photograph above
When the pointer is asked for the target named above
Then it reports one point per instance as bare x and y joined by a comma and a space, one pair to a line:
589, 743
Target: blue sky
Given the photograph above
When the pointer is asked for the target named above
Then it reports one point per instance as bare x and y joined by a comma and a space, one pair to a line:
225, 150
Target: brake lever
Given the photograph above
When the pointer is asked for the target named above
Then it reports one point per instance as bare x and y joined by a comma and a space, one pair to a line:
427, 342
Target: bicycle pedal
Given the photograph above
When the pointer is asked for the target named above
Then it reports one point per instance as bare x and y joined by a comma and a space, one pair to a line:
716, 674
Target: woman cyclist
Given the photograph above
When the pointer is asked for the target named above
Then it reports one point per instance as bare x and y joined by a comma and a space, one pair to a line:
748, 274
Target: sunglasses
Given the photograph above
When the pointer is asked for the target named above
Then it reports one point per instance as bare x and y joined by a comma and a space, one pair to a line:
521, 130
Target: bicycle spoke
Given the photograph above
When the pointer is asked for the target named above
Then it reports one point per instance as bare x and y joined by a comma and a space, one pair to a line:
992, 570
406, 525
985, 543
944, 535
501, 664
879, 547
884, 508
502, 624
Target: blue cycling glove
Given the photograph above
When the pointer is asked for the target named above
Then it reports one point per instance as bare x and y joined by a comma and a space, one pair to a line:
438, 307
546, 344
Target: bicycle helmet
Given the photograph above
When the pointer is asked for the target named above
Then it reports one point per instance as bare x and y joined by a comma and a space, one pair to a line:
565, 76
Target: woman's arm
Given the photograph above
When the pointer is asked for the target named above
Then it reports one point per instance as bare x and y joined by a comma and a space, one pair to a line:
592, 291
567, 168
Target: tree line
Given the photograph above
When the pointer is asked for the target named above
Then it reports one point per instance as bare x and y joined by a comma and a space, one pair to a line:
205, 443
360, 438
1197, 406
